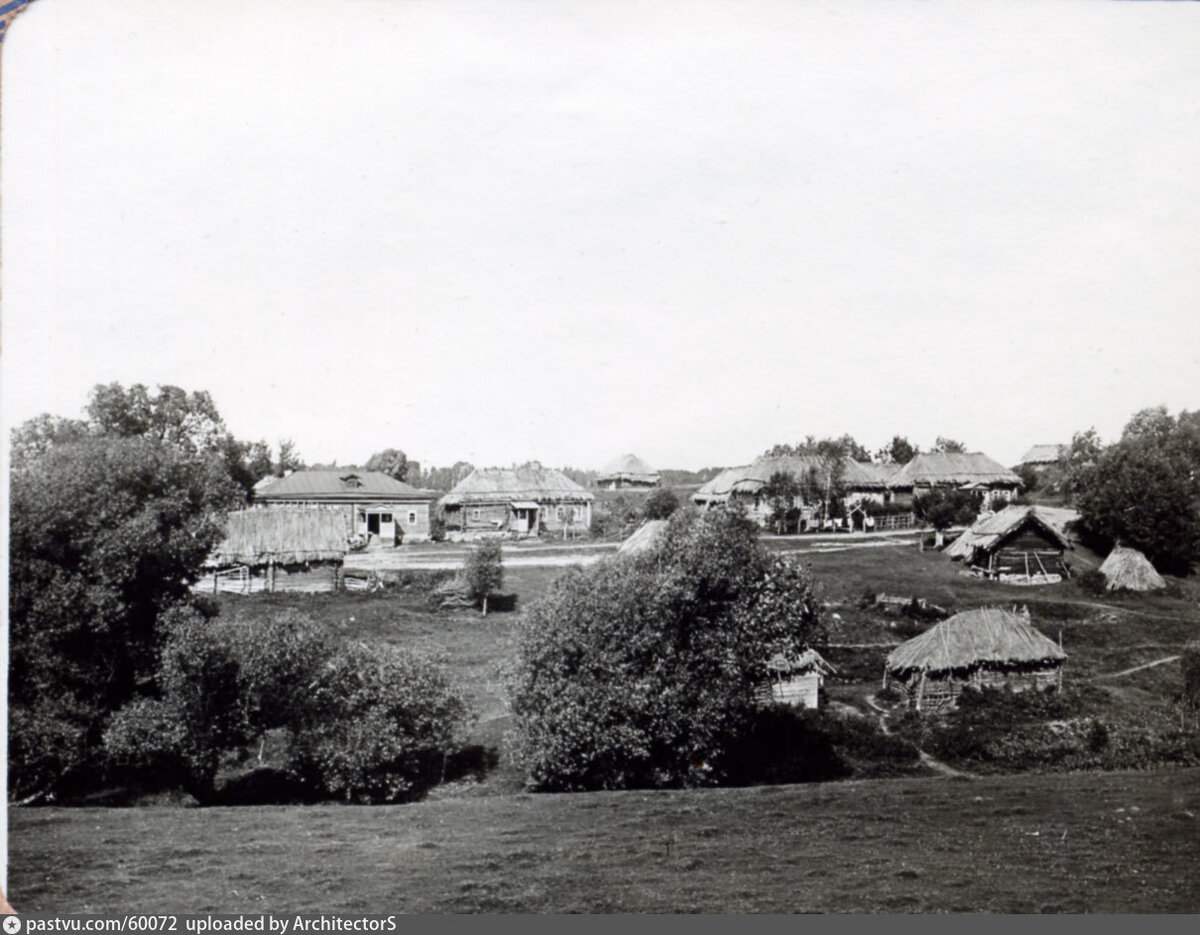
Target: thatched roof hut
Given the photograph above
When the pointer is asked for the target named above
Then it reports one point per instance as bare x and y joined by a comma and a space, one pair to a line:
1021, 543
1042, 455
985, 647
516, 501
282, 537
645, 538
628, 471
1129, 570
797, 681
953, 469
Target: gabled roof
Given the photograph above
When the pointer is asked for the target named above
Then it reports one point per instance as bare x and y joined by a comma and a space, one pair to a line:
807, 661
856, 475
989, 531
944, 468
287, 537
629, 467
502, 485
1043, 454
347, 485
985, 636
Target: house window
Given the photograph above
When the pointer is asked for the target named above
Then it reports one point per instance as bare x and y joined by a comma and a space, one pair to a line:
412, 517
385, 517
558, 512
477, 513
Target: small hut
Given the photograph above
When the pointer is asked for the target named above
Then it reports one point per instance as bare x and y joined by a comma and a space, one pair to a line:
1018, 545
628, 471
278, 550
799, 681
1130, 570
988, 647
645, 538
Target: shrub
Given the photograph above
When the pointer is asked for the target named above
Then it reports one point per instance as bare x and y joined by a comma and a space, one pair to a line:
660, 504
1092, 582
644, 672
384, 723
483, 571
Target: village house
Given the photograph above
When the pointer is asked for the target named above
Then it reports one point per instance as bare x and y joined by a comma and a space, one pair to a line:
1040, 457
988, 647
519, 501
1018, 545
973, 471
858, 483
374, 505
280, 549
628, 471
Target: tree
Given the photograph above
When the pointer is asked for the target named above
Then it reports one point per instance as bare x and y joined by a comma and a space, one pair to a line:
1144, 490
391, 461
949, 445
781, 492
944, 507
898, 451
188, 421
484, 571
644, 671
660, 504
289, 460
106, 534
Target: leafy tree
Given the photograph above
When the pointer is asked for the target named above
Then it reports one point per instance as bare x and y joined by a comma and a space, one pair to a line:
391, 461
106, 534
944, 507
644, 671
40, 434
1029, 477
899, 450
949, 445
1144, 490
288, 460
844, 447
660, 504
483, 571
781, 492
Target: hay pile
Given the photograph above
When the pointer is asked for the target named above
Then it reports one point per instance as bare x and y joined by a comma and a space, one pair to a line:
1129, 570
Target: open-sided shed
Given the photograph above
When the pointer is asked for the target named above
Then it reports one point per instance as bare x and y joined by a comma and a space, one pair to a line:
1020, 544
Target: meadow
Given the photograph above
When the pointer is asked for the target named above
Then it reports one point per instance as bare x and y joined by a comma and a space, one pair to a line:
1041, 840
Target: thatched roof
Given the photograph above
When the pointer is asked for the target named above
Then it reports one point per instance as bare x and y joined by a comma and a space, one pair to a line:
989, 531
346, 485
503, 485
1043, 454
752, 478
958, 469
1130, 570
644, 539
629, 468
988, 636
287, 537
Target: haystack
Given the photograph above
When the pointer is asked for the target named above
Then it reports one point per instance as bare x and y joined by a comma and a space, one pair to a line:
985, 647
644, 539
1129, 570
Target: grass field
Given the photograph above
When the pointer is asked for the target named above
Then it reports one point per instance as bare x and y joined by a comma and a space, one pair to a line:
1095, 842
1089, 841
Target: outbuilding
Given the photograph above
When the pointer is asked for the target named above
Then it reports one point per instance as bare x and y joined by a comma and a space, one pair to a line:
278, 550
988, 647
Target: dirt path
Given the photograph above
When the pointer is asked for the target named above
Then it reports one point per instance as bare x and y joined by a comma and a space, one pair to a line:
926, 760
1147, 665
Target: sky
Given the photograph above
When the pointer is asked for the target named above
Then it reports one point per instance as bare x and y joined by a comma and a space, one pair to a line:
563, 231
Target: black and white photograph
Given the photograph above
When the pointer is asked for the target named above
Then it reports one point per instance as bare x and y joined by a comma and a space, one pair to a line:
559, 456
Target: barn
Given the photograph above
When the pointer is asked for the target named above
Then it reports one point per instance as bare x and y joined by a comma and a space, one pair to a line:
376, 506
277, 550
962, 470
797, 682
516, 501
1018, 545
988, 647
628, 471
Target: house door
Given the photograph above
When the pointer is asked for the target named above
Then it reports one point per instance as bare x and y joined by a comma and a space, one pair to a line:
373, 523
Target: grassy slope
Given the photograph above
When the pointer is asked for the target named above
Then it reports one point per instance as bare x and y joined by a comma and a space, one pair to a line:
1124, 842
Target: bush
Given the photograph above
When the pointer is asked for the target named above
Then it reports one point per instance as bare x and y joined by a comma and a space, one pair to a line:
1092, 582
359, 722
660, 504
385, 723
483, 571
644, 672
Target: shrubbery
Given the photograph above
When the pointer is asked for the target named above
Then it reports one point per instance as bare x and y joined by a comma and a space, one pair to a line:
360, 722
643, 671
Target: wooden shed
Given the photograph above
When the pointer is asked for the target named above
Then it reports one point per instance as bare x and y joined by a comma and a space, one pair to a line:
797, 681
988, 647
278, 550
1018, 545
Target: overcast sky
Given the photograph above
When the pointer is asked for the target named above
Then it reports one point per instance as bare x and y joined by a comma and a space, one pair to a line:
564, 230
